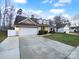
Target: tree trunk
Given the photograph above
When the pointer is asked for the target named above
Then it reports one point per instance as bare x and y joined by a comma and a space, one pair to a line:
56, 29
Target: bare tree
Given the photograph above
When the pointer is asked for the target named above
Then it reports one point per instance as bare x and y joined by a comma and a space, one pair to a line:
76, 18
57, 20
19, 12
60, 22
51, 22
34, 19
5, 13
11, 16
8, 14
0, 18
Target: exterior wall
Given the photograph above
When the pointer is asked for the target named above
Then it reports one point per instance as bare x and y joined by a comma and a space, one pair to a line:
46, 29
61, 30
49, 29
11, 33
39, 28
71, 30
66, 29
27, 31
22, 31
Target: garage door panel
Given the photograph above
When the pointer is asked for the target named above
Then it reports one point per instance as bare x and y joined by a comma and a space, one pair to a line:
28, 31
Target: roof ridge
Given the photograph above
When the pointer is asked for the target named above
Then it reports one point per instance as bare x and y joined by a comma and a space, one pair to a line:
33, 21
28, 19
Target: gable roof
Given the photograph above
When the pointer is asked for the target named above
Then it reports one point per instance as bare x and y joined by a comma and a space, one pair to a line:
24, 21
21, 20
18, 19
27, 21
35, 20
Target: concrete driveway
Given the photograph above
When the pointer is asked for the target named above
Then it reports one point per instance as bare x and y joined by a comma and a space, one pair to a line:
33, 47
9, 48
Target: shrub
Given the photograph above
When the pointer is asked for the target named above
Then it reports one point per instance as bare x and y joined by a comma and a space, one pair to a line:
64, 32
52, 31
41, 32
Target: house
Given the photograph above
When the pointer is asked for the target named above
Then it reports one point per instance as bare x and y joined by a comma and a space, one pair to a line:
69, 29
44, 25
74, 29
28, 26
25, 26
66, 28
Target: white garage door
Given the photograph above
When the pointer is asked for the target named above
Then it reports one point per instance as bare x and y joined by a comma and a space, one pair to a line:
28, 31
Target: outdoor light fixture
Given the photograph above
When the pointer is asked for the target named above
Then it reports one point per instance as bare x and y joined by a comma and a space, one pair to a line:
17, 29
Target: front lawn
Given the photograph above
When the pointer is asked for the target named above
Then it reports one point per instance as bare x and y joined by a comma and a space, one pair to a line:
65, 38
3, 35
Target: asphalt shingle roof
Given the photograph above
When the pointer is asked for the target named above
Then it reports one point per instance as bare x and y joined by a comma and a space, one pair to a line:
21, 20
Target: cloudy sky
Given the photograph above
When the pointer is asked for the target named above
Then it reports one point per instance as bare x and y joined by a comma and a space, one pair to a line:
49, 8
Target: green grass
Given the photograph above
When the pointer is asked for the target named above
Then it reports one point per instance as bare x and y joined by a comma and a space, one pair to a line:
3, 35
65, 38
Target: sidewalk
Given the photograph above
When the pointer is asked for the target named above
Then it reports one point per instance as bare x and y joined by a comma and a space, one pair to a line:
74, 33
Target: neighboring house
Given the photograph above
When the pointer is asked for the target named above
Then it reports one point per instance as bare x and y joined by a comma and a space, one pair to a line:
66, 29
69, 29
74, 29
44, 25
